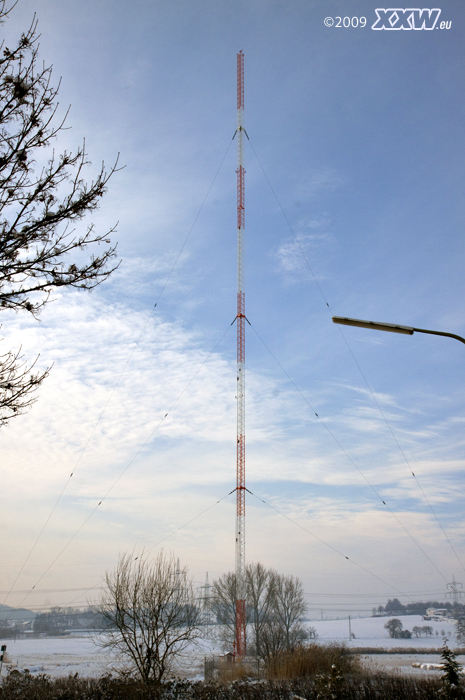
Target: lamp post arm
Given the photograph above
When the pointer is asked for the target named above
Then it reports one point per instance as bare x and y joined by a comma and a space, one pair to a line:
374, 325
390, 327
449, 335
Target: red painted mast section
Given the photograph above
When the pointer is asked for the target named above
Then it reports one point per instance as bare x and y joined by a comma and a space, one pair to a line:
240, 323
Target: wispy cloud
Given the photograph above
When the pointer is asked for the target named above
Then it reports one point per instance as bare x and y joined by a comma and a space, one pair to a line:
318, 180
297, 255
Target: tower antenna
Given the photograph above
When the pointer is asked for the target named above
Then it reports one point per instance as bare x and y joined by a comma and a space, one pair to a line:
454, 591
240, 323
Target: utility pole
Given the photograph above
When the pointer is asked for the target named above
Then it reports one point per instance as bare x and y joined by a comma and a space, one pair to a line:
240, 324
2, 653
207, 605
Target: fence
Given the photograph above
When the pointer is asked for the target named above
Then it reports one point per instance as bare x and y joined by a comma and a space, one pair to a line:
226, 668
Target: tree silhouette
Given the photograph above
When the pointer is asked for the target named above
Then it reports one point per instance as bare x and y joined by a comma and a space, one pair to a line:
452, 672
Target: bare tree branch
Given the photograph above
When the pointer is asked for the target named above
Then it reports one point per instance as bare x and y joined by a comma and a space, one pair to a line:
40, 205
17, 385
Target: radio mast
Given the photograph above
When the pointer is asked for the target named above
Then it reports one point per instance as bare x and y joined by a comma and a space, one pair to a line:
240, 322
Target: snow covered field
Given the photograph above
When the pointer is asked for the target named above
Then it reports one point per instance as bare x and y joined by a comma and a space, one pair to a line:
370, 632
62, 656
59, 656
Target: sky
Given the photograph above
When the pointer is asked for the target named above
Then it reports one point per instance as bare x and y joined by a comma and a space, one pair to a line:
354, 207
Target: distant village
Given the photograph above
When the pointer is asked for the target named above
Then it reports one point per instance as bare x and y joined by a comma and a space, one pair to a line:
430, 610
21, 622
61, 621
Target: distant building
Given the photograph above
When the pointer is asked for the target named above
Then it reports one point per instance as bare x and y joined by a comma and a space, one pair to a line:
437, 614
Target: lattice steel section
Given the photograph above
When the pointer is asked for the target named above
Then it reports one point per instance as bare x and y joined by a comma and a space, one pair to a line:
240, 322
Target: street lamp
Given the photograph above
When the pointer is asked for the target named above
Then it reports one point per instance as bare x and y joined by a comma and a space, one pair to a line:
390, 327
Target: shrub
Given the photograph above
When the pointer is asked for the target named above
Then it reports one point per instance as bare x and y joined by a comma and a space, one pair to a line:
363, 686
25, 686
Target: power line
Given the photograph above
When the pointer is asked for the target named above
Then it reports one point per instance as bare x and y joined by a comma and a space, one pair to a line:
115, 386
330, 546
188, 522
329, 431
355, 360
127, 466
400, 449
181, 527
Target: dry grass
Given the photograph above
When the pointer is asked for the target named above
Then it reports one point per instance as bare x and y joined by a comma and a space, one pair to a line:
404, 650
312, 660
25, 686
227, 673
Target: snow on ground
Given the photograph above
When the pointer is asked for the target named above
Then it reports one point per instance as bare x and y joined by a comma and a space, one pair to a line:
370, 631
61, 656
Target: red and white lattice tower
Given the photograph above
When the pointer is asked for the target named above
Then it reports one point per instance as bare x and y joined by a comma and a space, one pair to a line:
240, 322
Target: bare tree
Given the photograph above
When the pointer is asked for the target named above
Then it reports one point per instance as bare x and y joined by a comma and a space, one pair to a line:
272, 640
259, 600
42, 195
223, 604
259, 603
275, 604
288, 606
460, 630
152, 614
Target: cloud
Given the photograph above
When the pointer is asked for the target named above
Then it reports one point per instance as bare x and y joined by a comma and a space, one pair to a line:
297, 255
318, 180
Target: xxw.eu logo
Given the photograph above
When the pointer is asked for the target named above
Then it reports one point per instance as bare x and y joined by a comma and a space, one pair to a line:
395, 18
